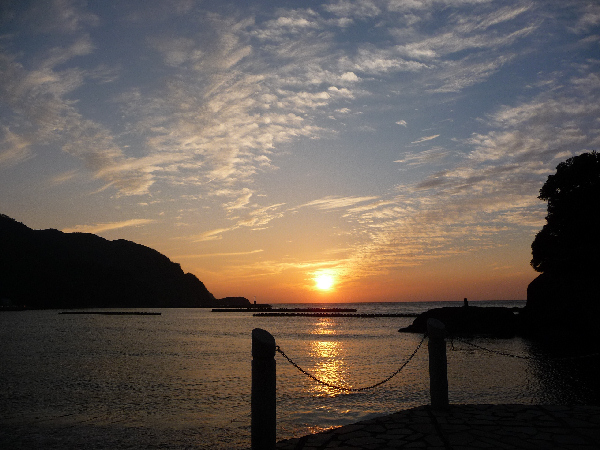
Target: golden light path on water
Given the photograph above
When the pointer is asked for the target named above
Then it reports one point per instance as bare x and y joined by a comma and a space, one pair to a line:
330, 366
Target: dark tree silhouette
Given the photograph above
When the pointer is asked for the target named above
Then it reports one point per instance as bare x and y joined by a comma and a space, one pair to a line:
570, 239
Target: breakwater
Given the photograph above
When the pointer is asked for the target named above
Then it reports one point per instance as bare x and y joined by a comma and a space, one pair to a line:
330, 314
287, 310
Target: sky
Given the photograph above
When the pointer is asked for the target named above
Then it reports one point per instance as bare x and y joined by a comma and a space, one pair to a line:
301, 151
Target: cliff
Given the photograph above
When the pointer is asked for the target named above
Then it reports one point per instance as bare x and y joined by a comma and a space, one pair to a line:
52, 269
563, 304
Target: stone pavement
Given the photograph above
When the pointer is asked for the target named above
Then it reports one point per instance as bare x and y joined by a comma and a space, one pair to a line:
465, 427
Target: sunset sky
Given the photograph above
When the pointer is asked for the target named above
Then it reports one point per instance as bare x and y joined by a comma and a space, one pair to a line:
395, 146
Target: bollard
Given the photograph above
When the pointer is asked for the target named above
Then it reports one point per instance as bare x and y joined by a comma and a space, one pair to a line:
263, 398
438, 368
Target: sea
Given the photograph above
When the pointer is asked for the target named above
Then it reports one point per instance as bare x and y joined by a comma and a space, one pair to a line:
182, 379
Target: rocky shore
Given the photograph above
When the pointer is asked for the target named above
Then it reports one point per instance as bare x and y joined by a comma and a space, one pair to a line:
495, 321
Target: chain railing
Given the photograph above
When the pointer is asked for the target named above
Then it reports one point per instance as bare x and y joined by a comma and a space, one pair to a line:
510, 355
264, 385
348, 388
263, 398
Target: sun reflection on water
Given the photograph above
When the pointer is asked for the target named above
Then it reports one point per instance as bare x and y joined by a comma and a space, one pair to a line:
325, 326
330, 366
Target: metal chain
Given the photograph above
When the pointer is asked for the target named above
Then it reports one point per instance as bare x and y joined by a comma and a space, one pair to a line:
346, 388
519, 356
510, 355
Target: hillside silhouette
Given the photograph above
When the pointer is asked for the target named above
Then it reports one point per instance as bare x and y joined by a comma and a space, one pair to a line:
52, 269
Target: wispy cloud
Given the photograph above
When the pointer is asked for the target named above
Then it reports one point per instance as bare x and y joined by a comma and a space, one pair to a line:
14, 148
57, 16
490, 192
331, 202
256, 218
101, 227
226, 254
63, 177
211, 235
241, 88
425, 139
433, 155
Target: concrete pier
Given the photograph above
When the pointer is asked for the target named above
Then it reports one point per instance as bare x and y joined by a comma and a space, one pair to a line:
465, 427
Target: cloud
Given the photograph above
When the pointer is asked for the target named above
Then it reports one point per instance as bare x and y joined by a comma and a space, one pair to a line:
411, 230
261, 216
590, 18
58, 16
211, 235
486, 194
14, 149
359, 9
456, 76
228, 145
254, 219
237, 89
373, 61
101, 227
425, 139
243, 198
332, 202
433, 155
177, 51
210, 255
369, 207
543, 128
466, 50
229, 123
153, 11
63, 177
350, 77
40, 94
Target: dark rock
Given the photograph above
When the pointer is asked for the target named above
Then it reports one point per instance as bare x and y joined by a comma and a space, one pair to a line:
470, 320
52, 269
233, 302
562, 304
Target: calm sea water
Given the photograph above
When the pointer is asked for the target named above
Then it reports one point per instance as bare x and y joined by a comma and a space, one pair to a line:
182, 379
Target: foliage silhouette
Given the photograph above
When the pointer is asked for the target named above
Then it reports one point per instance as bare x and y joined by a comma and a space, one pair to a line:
570, 240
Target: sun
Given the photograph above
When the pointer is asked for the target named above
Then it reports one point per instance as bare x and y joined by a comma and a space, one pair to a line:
324, 281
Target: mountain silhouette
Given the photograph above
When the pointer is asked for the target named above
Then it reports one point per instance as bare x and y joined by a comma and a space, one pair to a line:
52, 269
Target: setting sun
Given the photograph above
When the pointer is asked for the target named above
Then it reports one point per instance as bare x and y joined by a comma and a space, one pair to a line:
324, 282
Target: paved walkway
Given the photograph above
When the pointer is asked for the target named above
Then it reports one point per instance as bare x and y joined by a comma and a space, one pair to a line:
465, 427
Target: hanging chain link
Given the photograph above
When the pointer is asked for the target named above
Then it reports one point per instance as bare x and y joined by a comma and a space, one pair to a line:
510, 355
347, 388
497, 352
